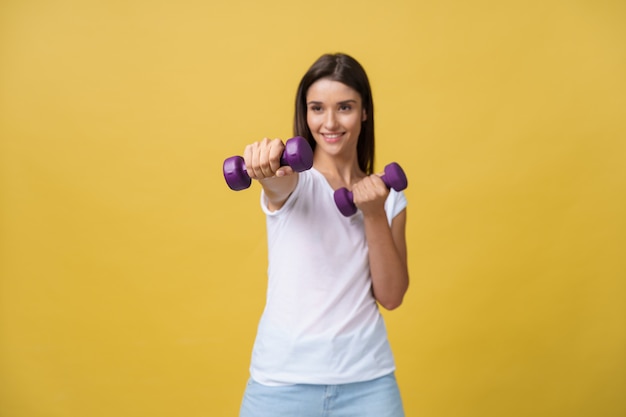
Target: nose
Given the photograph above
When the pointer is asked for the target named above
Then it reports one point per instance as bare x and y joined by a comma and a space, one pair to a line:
330, 121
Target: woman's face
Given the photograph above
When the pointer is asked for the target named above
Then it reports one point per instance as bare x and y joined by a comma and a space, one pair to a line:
334, 115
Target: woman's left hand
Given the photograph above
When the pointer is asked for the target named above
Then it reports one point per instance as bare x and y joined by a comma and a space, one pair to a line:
369, 195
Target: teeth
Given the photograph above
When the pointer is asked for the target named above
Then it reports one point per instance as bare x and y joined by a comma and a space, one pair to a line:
332, 136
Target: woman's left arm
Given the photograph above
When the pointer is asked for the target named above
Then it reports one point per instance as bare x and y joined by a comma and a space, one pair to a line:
388, 259
386, 245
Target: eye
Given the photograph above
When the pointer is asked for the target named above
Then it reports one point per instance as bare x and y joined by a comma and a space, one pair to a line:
345, 107
315, 108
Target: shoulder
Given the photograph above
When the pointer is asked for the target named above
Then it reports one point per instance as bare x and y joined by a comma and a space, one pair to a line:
396, 202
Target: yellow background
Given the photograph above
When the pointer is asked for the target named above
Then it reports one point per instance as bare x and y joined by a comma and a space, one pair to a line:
132, 278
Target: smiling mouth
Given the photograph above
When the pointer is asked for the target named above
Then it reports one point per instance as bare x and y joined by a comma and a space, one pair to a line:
332, 137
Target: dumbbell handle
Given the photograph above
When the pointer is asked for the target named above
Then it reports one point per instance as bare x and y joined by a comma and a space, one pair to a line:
297, 154
393, 177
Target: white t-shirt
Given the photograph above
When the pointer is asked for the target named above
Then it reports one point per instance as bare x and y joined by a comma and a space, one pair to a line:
321, 323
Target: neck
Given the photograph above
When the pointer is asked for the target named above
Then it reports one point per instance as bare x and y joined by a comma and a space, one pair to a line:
339, 172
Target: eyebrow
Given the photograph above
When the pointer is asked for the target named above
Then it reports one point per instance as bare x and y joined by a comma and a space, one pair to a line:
340, 103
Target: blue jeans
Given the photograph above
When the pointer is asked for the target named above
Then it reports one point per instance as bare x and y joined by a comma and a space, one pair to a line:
377, 398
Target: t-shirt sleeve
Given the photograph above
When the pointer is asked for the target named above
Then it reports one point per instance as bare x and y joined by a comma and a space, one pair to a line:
396, 202
290, 200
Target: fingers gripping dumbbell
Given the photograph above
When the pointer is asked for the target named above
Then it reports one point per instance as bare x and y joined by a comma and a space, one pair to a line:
297, 154
393, 177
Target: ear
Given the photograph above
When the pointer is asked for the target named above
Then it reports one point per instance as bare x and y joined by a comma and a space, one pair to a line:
364, 118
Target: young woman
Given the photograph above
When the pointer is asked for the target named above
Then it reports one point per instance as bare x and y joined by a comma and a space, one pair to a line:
321, 347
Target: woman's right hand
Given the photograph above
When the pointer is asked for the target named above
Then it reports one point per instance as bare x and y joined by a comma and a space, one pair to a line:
262, 159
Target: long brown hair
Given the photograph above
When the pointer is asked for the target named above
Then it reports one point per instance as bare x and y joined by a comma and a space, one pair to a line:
346, 70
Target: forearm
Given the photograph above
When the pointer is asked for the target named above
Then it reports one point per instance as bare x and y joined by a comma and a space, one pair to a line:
387, 258
278, 189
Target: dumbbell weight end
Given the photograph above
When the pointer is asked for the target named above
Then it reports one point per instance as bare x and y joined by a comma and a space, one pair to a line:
344, 202
235, 173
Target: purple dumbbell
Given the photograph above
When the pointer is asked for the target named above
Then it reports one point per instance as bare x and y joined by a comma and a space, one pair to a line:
393, 177
297, 154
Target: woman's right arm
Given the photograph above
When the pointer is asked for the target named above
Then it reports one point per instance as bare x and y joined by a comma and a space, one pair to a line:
262, 161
